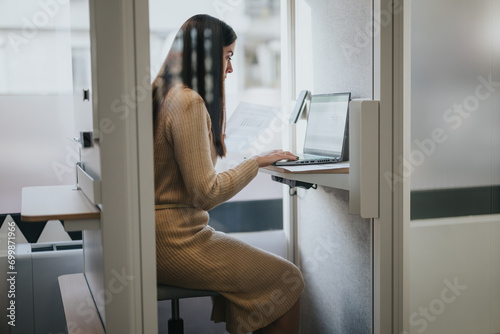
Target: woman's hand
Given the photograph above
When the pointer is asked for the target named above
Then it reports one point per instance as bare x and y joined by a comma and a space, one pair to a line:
268, 158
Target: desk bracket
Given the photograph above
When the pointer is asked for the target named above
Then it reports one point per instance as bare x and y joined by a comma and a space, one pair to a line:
294, 183
90, 186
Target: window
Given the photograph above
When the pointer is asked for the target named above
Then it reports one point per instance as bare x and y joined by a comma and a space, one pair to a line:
256, 79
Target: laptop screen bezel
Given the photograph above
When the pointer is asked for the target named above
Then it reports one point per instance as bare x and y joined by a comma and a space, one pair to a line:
329, 153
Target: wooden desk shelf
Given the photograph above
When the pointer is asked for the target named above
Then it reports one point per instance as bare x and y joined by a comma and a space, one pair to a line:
75, 296
62, 203
334, 178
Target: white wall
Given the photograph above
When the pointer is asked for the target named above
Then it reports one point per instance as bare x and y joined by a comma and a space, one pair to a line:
455, 275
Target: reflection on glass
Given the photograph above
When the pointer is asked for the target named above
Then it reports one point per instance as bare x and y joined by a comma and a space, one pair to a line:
256, 76
257, 59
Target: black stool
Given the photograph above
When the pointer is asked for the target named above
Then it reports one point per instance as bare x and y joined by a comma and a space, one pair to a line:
174, 293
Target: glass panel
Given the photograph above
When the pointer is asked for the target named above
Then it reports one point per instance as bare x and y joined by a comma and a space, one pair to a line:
455, 167
36, 106
256, 79
35, 56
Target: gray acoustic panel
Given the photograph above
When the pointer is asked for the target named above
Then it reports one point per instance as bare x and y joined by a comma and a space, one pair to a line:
341, 46
335, 247
335, 258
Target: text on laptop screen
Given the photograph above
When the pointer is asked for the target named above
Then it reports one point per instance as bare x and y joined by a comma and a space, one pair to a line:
326, 124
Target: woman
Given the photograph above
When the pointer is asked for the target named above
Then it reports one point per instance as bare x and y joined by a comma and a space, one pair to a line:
260, 291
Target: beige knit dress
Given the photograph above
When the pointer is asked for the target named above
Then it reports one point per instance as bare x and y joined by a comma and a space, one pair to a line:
257, 287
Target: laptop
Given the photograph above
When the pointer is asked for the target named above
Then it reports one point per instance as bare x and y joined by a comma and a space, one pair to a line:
327, 137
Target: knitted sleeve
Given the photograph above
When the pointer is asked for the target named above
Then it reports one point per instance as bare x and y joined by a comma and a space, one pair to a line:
190, 131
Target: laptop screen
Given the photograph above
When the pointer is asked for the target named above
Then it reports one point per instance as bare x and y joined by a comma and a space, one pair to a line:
327, 124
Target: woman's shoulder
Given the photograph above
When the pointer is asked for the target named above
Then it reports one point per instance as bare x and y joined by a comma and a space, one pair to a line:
183, 102
183, 96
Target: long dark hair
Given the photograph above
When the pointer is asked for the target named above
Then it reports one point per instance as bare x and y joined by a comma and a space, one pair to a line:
195, 60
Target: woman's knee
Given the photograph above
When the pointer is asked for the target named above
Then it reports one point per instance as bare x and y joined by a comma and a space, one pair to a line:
292, 277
